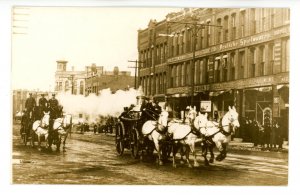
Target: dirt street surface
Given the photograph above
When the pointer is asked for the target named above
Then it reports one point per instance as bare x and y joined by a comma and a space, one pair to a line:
92, 159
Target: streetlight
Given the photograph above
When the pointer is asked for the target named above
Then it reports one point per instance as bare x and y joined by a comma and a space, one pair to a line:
195, 26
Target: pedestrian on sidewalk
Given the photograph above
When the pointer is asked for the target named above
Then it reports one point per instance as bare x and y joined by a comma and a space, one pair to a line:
255, 137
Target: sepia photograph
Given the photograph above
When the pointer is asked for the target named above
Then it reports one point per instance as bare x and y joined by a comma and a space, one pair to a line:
175, 96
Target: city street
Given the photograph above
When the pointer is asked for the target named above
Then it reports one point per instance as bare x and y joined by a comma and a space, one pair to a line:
91, 159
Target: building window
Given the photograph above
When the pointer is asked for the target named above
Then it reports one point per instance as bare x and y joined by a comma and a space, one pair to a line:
208, 33
253, 21
271, 59
242, 23
81, 88
225, 68
183, 75
233, 25
217, 69
225, 27
189, 40
218, 31
66, 85
273, 18
232, 66
262, 61
183, 42
241, 64
60, 86
202, 72
252, 62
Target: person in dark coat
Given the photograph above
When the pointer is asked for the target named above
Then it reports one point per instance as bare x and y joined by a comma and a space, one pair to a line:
29, 105
43, 103
53, 107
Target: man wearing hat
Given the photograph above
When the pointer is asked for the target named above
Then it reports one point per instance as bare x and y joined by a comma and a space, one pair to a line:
29, 105
43, 103
53, 106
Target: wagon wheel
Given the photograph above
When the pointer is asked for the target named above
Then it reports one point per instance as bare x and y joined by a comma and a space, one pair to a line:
119, 139
134, 143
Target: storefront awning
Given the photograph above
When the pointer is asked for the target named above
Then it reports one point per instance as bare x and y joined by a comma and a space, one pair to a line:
215, 93
281, 86
179, 95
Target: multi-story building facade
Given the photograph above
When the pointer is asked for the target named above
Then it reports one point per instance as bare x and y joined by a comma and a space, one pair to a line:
90, 80
114, 80
244, 63
73, 81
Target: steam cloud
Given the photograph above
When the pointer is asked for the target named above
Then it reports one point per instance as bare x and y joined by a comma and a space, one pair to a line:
92, 106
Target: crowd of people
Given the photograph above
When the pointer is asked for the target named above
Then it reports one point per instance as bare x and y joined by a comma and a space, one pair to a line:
267, 136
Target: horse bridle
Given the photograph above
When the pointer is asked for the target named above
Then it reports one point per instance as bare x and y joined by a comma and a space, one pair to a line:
221, 128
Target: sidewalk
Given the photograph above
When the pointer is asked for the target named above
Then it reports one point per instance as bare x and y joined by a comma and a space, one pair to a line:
237, 144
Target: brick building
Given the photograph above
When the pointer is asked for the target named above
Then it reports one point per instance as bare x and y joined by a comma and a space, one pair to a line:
245, 63
90, 80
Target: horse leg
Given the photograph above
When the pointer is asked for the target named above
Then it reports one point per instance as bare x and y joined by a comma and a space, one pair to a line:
39, 143
157, 147
220, 147
64, 143
193, 150
224, 151
204, 153
182, 152
187, 156
174, 151
212, 156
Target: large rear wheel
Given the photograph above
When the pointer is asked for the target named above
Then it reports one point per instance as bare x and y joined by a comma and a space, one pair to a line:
134, 143
119, 139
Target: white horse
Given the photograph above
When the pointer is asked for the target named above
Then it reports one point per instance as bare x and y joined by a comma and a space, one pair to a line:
154, 131
185, 137
40, 128
61, 128
220, 134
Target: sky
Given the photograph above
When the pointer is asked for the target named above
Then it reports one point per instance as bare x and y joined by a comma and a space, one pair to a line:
79, 35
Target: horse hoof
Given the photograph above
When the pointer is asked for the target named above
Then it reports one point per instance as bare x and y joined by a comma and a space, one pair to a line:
196, 165
174, 166
39, 149
206, 163
190, 166
211, 160
182, 162
161, 163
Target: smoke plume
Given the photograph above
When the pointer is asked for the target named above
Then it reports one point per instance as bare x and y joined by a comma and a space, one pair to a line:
92, 106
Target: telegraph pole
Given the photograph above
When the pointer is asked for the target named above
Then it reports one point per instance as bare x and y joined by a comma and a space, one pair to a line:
135, 71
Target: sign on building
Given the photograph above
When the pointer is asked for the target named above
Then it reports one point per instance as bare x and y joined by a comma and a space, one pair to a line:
205, 106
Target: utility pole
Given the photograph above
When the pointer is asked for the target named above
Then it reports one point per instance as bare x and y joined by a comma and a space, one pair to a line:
135, 70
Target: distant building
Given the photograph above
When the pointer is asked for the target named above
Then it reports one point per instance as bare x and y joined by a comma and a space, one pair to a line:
114, 80
69, 80
90, 80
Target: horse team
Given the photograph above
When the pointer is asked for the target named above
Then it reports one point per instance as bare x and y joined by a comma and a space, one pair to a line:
55, 132
176, 136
